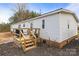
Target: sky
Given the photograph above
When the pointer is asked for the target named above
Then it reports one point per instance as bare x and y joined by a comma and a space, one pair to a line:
6, 9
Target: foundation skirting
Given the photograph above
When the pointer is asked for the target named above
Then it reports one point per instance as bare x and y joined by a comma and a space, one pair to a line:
56, 44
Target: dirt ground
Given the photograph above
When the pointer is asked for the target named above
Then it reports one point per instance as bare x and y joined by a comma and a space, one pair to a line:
8, 48
5, 37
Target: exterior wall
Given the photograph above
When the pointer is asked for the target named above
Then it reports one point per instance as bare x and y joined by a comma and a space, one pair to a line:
52, 27
51, 30
27, 24
13, 26
56, 27
66, 33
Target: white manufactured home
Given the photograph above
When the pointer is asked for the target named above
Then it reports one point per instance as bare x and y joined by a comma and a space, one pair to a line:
57, 26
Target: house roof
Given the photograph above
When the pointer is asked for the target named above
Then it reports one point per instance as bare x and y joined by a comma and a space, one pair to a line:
50, 13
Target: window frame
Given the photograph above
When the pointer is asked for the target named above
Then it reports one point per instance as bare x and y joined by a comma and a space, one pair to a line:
68, 26
23, 25
31, 25
43, 24
19, 25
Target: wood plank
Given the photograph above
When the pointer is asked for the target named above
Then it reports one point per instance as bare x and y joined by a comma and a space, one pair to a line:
29, 48
29, 44
29, 41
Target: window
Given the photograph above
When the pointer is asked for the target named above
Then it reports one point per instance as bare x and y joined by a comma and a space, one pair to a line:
68, 26
43, 24
19, 26
23, 25
31, 25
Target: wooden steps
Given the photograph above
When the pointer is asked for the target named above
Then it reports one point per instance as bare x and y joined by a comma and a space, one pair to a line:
28, 44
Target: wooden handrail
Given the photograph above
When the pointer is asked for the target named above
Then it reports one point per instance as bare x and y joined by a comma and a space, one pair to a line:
25, 28
30, 31
33, 34
34, 37
22, 34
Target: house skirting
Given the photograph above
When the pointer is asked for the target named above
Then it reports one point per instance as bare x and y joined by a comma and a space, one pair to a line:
56, 44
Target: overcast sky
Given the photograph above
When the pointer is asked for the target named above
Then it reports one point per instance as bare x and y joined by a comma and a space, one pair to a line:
6, 8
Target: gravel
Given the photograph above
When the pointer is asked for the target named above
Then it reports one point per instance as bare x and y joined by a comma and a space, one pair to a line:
10, 49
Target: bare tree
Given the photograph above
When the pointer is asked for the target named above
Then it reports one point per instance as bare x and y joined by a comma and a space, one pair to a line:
22, 13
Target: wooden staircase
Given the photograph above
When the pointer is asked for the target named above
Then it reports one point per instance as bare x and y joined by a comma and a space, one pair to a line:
27, 42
